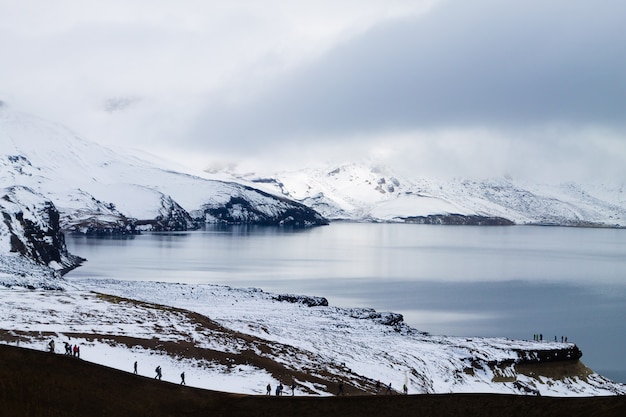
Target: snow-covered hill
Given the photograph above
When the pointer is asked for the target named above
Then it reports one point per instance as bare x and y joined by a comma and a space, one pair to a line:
365, 192
101, 190
239, 340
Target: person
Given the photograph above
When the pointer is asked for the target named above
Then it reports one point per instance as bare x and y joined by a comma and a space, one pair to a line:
135, 368
76, 351
377, 386
51, 346
278, 389
269, 389
68, 348
405, 389
340, 390
182, 379
293, 388
158, 373
388, 389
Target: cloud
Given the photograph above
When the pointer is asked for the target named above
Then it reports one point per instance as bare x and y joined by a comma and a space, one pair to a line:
453, 86
476, 83
481, 63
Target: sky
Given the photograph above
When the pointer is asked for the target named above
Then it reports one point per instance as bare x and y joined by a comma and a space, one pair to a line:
530, 89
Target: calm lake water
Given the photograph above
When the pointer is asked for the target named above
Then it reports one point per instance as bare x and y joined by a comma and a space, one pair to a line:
455, 280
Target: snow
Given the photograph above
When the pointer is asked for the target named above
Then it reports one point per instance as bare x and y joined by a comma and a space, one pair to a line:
49, 161
364, 191
84, 179
352, 344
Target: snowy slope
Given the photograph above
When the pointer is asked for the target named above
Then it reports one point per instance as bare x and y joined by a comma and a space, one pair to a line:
363, 192
94, 186
244, 339
32, 247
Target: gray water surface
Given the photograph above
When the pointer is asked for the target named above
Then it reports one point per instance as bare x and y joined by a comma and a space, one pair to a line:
455, 280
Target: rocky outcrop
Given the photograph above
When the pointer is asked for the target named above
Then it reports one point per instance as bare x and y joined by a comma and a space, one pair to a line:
307, 300
30, 228
459, 219
251, 206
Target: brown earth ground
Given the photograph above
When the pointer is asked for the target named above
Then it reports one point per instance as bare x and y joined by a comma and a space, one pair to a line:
41, 384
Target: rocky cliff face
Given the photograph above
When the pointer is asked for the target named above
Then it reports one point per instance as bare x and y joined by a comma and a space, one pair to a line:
33, 246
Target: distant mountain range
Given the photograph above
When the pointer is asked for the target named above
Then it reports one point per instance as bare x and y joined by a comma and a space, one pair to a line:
365, 192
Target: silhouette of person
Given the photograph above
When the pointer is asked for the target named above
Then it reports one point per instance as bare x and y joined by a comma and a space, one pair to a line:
135, 368
269, 389
182, 379
158, 373
340, 388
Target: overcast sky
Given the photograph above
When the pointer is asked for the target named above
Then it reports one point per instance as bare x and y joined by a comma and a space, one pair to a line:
533, 88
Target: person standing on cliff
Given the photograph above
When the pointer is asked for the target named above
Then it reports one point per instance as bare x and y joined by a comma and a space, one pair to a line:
135, 368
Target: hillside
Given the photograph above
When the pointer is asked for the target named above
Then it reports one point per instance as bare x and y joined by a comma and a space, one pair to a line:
39, 384
104, 191
239, 340
370, 192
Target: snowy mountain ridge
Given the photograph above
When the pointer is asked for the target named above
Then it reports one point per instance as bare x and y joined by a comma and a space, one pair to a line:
95, 187
368, 192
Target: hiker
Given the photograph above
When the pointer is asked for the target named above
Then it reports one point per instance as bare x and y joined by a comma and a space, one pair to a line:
405, 389
135, 368
76, 351
388, 392
377, 386
269, 389
51, 346
182, 379
158, 373
340, 388
293, 388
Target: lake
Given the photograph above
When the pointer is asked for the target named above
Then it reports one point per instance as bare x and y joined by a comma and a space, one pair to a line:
510, 281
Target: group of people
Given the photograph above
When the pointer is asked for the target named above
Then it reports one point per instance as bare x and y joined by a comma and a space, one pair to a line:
280, 388
69, 349
538, 337
389, 390
72, 351
159, 373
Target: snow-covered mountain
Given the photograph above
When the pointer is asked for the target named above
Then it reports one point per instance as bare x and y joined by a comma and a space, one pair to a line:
51, 180
98, 189
366, 192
